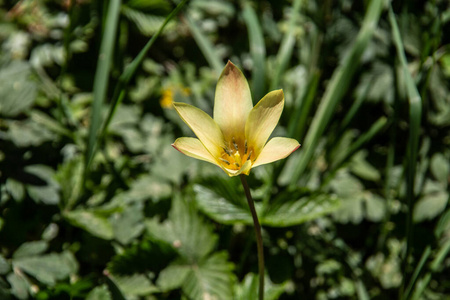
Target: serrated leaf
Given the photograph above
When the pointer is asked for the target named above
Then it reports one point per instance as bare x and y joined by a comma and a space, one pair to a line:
19, 285
147, 24
134, 285
48, 191
145, 256
283, 213
4, 266
99, 293
94, 223
172, 277
248, 289
211, 279
375, 207
31, 249
69, 175
430, 206
128, 224
48, 268
28, 133
148, 187
362, 168
15, 189
185, 230
17, 90
440, 168
221, 200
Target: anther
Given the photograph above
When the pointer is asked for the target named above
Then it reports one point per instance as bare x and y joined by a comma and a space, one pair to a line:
237, 165
225, 161
235, 145
227, 151
249, 155
245, 149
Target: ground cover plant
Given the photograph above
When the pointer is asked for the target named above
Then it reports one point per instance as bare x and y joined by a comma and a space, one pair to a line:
96, 204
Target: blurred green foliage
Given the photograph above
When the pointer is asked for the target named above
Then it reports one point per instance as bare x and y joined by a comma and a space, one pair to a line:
359, 212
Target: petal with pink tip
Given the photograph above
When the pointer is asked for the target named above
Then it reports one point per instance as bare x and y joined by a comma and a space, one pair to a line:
204, 127
276, 149
263, 119
232, 103
194, 148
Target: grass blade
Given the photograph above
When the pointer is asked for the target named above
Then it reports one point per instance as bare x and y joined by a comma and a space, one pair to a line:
205, 46
415, 115
435, 264
257, 50
102, 77
416, 273
297, 122
119, 91
287, 46
336, 89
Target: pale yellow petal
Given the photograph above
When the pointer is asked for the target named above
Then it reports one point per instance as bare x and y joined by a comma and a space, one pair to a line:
194, 148
245, 169
204, 127
276, 149
232, 103
263, 119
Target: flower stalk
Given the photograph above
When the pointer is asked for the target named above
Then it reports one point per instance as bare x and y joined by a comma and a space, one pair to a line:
259, 242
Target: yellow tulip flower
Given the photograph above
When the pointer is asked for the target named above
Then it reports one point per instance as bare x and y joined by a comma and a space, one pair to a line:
235, 140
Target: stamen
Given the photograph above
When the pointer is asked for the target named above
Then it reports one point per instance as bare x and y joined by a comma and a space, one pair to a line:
227, 151
235, 145
249, 155
237, 165
225, 161
245, 150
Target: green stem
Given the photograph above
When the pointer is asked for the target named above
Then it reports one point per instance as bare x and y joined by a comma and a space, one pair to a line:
259, 241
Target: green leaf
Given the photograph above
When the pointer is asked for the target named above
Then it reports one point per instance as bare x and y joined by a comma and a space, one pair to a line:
221, 200
147, 24
70, 178
19, 285
440, 168
286, 211
248, 289
185, 231
148, 187
28, 133
431, 204
101, 78
134, 285
211, 278
17, 90
362, 168
172, 277
128, 224
48, 268
15, 188
94, 223
30, 249
257, 50
335, 91
142, 257
46, 193
99, 293
4, 266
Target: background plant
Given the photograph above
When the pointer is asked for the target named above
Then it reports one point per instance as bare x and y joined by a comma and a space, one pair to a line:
360, 212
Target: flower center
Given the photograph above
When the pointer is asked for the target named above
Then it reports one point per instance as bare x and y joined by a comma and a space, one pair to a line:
235, 155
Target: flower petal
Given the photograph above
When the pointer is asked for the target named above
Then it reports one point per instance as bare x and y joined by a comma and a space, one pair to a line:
232, 103
204, 127
276, 149
245, 169
194, 148
263, 119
